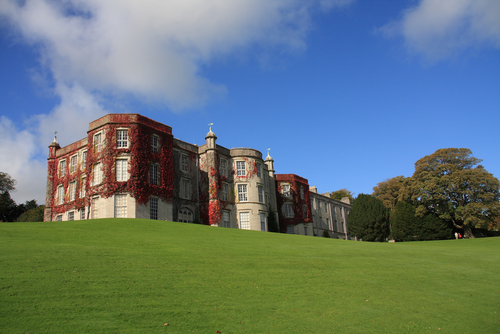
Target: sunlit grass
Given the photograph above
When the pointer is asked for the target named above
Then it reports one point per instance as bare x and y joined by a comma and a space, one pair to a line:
133, 276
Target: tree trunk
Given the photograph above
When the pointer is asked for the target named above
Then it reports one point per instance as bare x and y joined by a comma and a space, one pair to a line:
468, 232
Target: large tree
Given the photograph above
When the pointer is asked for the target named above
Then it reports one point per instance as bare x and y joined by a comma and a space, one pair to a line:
405, 226
341, 193
451, 185
368, 219
7, 183
389, 191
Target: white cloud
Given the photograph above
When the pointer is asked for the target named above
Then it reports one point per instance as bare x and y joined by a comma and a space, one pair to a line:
150, 49
153, 48
438, 29
16, 149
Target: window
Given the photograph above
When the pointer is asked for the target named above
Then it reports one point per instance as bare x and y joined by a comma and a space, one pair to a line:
82, 214
122, 170
82, 187
259, 170
121, 139
84, 159
71, 215
290, 229
97, 172
327, 223
72, 164
240, 168
94, 210
97, 143
185, 216
60, 195
313, 203
185, 189
223, 167
62, 168
261, 194
286, 190
153, 208
184, 163
59, 218
242, 193
225, 192
319, 207
262, 222
121, 206
288, 210
154, 174
301, 192
305, 230
244, 220
341, 211
72, 191
154, 144
304, 211
225, 219
326, 207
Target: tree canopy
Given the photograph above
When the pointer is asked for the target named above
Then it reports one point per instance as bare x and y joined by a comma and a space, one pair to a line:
7, 183
341, 193
451, 185
368, 219
389, 191
405, 226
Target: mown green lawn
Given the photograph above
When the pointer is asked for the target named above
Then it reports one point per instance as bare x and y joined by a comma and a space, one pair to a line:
134, 276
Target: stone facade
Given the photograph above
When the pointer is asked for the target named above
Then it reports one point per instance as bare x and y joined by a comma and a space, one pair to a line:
130, 166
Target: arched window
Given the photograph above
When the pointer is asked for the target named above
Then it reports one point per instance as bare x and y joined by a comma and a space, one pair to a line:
185, 216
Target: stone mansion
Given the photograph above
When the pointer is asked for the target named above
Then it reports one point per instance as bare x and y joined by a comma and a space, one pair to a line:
130, 166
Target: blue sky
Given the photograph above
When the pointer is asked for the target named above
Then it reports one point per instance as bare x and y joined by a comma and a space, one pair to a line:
344, 93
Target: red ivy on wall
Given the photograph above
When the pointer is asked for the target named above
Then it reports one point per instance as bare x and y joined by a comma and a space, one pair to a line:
140, 159
296, 200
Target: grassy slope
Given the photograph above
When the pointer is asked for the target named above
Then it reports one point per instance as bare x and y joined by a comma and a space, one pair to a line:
128, 275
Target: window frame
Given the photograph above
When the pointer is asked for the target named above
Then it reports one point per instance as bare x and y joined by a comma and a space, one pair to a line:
154, 174
259, 170
62, 168
120, 205
243, 192
184, 162
71, 215
225, 192
60, 194
185, 189
97, 174
72, 190
241, 169
244, 223
223, 167
260, 190
155, 143
84, 159
153, 208
286, 191
121, 172
121, 142
73, 163
97, 142
226, 223
263, 224
288, 210
185, 213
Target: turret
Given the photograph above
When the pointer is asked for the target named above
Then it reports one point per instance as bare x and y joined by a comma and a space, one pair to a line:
53, 147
